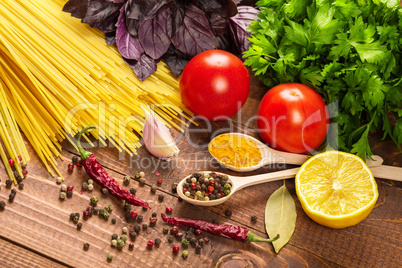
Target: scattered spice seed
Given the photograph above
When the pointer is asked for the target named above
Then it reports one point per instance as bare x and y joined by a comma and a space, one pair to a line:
153, 189
174, 230
153, 220
59, 180
2, 205
70, 188
170, 239
206, 240
123, 237
185, 243
113, 243
142, 181
86, 246
174, 187
63, 187
124, 230
185, 254
90, 181
169, 210
70, 166
134, 214
157, 242
90, 187
159, 181
13, 191
198, 249
75, 159
24, 173
114, 221
175, 248
85, 214
137, 229
126, 180
228, 213
21, 185
150, 243
110, 208
193, 242
128, 217
120, 243
140, 218
69, 194
114, 236
137, 176
11, 162
198, 232
133, 191
144, 208
165, 230
141, 174
179, 235
161, 197
84, 186
9, 183
79, 226
154, 214
94, 200
145, 226
201, 242
131, 246
109, 257
254, 218
62, 195
133, 235
105, 190
19, 179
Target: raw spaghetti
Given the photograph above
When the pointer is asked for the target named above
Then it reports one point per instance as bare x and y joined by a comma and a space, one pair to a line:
57, 76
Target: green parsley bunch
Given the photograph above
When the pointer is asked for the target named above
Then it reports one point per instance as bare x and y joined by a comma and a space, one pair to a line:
350, 51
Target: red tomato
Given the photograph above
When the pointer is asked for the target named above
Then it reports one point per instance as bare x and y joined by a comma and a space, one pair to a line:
214, 85
293, 117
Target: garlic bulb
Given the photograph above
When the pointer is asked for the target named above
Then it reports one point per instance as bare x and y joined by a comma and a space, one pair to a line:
157, 138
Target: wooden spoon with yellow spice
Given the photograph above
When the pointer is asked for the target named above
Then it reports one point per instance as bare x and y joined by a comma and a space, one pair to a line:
240, 152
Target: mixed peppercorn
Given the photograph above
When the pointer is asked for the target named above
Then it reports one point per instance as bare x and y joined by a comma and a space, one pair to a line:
206, 186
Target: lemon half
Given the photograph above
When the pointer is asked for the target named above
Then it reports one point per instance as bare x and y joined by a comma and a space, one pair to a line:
336, 189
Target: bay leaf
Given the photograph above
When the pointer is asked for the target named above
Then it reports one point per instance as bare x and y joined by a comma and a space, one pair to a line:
280, 217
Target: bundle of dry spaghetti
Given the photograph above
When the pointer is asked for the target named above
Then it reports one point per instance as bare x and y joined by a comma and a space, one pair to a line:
57, 76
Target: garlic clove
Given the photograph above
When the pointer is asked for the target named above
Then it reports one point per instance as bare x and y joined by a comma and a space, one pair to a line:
157, 137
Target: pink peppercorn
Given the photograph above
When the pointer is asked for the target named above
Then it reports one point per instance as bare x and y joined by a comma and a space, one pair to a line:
20, 157
169, 210
159, 181
70, 188
150, 243
133, 214
198, 232
85, 214
193, 185
176, 249
24, 173
11, 162
70, 166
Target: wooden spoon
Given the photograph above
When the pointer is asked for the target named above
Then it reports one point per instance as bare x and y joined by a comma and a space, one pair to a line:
272, 156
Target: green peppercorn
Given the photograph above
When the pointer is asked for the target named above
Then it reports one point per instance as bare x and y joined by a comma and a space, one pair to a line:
114, 221
114, 236
94, 200
227, 186
185, 242
110, 208
133, 191
127, 180
86, 246
109, 257
2, 205
79, 226
123, 237
142, 181
137, 176
113, 243
76, 217
185, 254
226, 192
174, 187
104, 213
120, 243
105, 190
161, 197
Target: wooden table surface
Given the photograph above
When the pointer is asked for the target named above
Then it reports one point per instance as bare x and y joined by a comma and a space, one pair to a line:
35, 229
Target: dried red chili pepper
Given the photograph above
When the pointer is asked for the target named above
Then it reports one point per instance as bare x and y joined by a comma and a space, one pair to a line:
98, 173
225, 230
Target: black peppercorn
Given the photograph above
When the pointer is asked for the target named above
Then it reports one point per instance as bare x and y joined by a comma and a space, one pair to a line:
140, 218
161, 197
157, 242
179, 235
170, 239
69, 194
11, 197
133, 235
86, 246
198, 249
2, 205
254, 218
144, 208
13, 191
193, 241
145, 226
127, 217
133, 191
115, 236
9, 183
174, 187
19, 178
113, 221
201, 242
137, 228
75, 159
154, 214
79, 226
228, 213
21, 185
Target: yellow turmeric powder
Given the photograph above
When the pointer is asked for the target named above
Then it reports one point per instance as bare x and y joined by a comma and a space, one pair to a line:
235, 151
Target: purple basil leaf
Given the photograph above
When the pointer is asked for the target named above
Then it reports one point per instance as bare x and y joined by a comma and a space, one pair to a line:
128, 45
177, 18
238, 26
147, 9
132, 26
110, 38
195, 35
77, 8
142, 68
117, 1
225, 8
153, 36
224, 42
218, 24
102, 15
175, 60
